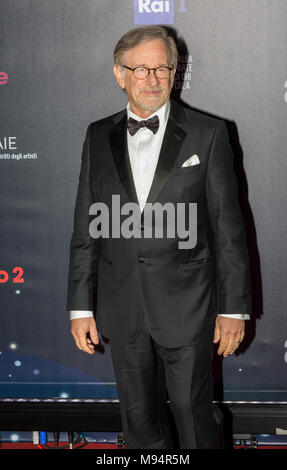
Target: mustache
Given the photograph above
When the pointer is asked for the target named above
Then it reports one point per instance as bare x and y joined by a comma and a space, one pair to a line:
155, 88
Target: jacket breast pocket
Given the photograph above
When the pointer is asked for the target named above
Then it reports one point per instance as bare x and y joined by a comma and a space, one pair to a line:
194, 169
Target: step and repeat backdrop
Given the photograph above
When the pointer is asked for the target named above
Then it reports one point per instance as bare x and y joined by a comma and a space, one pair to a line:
56, 60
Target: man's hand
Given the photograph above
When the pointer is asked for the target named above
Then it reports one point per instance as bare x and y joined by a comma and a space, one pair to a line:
230, 333
79, 329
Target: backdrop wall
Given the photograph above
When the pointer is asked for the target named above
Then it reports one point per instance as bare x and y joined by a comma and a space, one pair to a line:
55, 78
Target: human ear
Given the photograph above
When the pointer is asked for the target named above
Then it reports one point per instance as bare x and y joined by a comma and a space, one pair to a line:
118, 71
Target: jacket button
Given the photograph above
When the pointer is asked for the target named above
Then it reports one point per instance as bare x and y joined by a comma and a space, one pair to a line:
141, 259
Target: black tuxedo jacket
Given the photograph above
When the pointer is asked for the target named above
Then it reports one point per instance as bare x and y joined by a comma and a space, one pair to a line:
181, 290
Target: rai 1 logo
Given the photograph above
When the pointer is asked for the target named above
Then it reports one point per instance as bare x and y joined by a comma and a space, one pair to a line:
156, 11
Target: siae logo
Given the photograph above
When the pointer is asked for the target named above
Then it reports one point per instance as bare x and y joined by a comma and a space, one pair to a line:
8, 143
154, 11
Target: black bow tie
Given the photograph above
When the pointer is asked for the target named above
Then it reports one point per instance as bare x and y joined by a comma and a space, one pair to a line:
151, 123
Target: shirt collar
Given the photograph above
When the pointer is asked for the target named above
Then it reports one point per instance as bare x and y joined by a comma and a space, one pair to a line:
162, 114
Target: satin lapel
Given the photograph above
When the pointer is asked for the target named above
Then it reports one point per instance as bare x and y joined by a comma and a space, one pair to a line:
119, 147
171, 146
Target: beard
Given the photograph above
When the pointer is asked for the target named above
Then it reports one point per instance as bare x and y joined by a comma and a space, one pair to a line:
152, 103
142, 101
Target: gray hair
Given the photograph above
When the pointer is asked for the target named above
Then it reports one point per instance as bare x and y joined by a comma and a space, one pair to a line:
145, 33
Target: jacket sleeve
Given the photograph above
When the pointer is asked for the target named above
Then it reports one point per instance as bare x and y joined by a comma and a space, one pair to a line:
82, 275
232, 260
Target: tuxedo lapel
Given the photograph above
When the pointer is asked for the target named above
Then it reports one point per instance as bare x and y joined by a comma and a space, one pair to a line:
172, 142
119, 147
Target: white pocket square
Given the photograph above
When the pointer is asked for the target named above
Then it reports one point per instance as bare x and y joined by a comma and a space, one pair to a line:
193, 160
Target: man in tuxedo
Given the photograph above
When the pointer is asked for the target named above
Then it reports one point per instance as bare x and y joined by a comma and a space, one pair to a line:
161, 306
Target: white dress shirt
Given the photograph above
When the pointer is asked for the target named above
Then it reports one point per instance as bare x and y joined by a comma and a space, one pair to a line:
144, 148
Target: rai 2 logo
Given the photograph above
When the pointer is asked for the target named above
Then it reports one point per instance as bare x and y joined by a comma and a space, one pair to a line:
18, 271
156, 11
3, 78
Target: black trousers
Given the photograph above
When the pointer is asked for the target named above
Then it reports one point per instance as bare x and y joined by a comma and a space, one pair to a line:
147, 375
